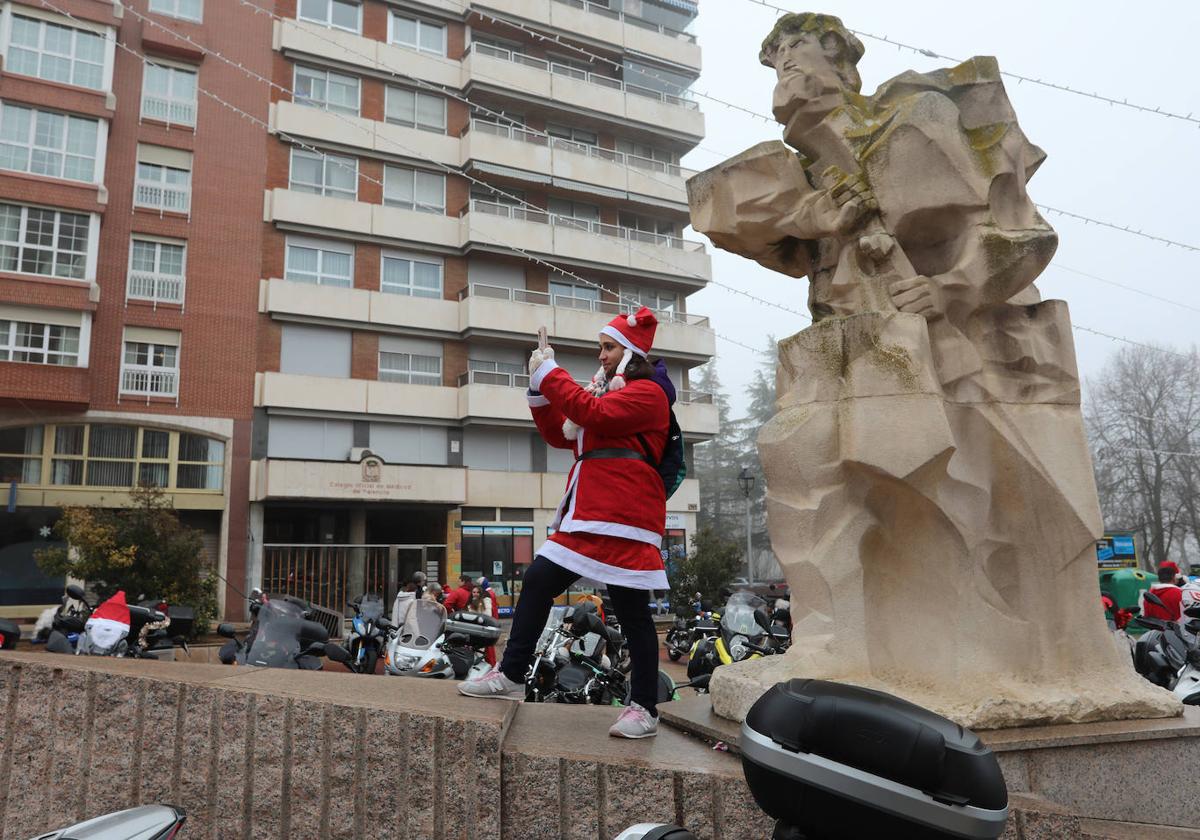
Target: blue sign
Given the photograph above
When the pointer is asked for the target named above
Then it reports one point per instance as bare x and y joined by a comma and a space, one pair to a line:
1103, 551
1123, 545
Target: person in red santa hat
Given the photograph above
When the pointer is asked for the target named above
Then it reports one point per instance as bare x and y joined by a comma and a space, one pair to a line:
609, 524
1168, 591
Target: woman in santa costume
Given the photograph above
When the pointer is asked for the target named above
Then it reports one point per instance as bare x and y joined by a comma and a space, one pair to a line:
609, 525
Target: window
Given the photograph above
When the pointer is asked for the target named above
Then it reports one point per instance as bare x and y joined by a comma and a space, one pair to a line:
414, 189
35, 240
56, 53
341, 14
183, 9
574, 214
156, 271
201, 463
21, 454
42, 344
150, 368
46, 143
497, 449
573, 296
319, 261
418, 34
410, 368
309, 350
656, 299
487, 372
164, 179
335, 176
572, 135
416, 110
404, 275
327, 90
169, 94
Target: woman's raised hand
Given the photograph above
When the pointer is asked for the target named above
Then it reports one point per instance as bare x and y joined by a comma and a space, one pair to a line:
538, 356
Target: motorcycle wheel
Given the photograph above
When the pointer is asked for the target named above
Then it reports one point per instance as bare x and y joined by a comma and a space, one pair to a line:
675, 655
369, 660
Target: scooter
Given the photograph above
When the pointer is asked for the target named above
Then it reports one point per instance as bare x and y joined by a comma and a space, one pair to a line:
147, 822
368, 635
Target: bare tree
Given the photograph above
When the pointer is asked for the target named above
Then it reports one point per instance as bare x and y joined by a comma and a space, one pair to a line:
1143, 413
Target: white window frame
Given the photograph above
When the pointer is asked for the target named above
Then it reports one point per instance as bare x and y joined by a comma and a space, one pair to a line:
324, 103
22, 245
156, 286
322, 247
9, 346
44, 20
149, 379
394, 93
408, 289
179, 111
419, 23
327, 20
407, 375
31, 145
392, 175
172, 8
327, 159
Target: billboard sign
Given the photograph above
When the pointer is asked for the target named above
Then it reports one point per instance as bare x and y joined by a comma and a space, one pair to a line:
1117, 550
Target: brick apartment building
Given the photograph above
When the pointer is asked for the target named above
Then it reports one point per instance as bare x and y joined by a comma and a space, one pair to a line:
129, 268
315, 339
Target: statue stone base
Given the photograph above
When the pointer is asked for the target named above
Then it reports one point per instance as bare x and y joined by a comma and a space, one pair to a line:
939, 538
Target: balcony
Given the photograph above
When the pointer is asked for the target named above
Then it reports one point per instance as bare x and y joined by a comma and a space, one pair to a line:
496, 308
493, 396
56, 387
149, 381
356, 132
561, 83
317, 212
154, 288
489, 224
598, 22
354, 396
295, 37
517, 148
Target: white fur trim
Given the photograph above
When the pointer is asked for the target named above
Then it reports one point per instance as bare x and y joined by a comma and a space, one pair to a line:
536, 400
615, 334
609, 529
535, 380
595, 570
624, 363
570, 430
618, 382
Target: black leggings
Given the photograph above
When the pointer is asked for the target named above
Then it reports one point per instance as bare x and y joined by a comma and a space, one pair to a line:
544, 581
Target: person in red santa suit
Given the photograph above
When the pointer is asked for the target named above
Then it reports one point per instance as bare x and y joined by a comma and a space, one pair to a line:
609, 524
1168, 591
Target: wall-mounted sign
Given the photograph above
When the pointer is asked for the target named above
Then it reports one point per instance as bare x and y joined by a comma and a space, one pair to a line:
1117, 550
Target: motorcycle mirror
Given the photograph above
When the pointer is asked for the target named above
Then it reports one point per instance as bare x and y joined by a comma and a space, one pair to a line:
336, 652
383, 623
1193, 611
1153, 599
226, 630
76, 592
762, 619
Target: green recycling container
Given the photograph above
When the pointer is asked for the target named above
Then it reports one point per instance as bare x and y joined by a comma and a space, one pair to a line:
1125, 586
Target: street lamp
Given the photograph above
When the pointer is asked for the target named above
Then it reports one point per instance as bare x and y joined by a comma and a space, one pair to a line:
746, 480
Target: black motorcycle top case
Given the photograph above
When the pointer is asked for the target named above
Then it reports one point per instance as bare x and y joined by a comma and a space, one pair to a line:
839, 762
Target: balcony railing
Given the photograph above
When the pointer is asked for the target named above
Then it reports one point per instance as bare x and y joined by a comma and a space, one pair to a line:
157, 196
608, 307
159, 288
582, 75
612, 155
541, 217
147, 381
493, 377
693, 397
174, 111
604, 11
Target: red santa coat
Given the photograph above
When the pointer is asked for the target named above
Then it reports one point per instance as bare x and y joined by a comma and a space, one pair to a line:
609, 523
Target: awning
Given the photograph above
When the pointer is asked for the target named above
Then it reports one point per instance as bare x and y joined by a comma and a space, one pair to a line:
579, 186
688, 6
508, 172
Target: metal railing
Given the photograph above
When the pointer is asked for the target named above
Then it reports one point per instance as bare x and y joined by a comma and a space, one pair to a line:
494, 377
158, 196
693, 397
173, 111
582, 75
641, 23
608, 307
541, 217
321, 573
559, 143
159, 288
148, 381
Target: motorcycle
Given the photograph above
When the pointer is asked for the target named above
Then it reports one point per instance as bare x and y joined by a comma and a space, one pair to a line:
282, 635
66, 621
570, 664
689, 628
92, 632
746, 632
10, 634
368, 635
427, 643
1169, 655
147, 822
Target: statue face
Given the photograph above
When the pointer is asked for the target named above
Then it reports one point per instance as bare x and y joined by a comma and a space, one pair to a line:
808, 82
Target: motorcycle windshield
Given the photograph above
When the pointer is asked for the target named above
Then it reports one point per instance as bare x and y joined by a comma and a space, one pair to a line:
423, 624
370, 609
277, 642
553, 622
738, 616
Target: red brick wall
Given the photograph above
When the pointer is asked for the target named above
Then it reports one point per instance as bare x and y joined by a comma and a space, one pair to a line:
454, 362
458, 193
366, 266
364, 355
373, 101
454, 277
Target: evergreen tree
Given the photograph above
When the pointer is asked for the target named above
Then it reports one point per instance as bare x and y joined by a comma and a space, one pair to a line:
717, 463
760, 408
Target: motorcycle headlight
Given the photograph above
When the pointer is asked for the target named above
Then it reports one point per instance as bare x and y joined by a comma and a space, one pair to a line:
738, 650
406, 663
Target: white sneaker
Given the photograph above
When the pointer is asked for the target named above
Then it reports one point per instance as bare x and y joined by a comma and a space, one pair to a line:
493, 684
634, 722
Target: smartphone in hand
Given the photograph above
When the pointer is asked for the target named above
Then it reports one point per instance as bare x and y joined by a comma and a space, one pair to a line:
542, 343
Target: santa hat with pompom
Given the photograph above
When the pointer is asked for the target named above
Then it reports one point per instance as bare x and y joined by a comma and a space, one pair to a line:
634, 332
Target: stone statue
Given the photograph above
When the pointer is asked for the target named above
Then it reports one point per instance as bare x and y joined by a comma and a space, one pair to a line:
930, 491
